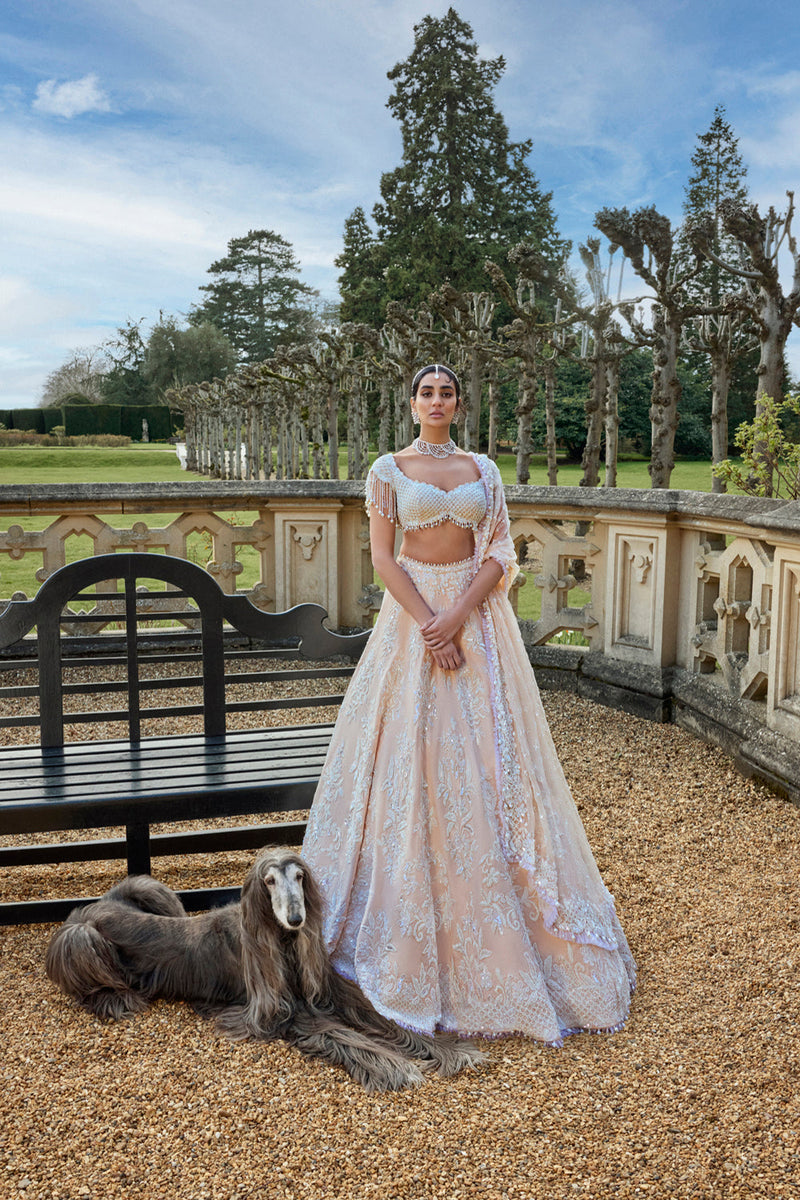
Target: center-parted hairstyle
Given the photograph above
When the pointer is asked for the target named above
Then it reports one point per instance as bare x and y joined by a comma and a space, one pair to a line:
436, 369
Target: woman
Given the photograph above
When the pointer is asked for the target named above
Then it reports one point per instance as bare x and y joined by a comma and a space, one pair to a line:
461, 892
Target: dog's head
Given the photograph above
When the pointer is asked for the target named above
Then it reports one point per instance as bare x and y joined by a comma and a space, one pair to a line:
283, 876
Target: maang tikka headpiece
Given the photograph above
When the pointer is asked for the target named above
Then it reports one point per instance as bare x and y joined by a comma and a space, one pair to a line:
438, 369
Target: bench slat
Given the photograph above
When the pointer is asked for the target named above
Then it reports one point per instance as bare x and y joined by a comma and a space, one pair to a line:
204, 841
171, 804
268, 742
126, 782
40, 911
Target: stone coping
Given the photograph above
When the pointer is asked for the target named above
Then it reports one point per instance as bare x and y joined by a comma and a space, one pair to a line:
750, 510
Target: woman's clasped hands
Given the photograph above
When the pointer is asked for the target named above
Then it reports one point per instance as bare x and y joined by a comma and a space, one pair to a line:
441, 635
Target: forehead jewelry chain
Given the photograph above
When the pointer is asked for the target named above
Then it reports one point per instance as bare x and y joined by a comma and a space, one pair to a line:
435, 449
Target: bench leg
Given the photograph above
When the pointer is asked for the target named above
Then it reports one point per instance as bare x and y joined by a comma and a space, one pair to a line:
137, 841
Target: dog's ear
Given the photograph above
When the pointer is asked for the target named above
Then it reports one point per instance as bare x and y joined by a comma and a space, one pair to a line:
313, 898
256, 901
312, 956
263, 965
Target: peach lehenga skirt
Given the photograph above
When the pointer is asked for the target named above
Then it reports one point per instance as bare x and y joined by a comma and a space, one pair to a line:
461, 892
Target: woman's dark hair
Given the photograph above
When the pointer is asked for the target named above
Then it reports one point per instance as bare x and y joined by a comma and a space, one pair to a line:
435, 368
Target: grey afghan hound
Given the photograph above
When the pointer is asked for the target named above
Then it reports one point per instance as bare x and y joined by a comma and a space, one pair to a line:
259, 966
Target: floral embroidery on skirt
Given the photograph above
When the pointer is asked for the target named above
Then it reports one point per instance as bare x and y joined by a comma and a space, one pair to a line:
461, 892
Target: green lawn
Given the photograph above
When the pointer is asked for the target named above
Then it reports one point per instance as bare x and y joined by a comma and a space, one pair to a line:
688, 475
158, 463
90, 464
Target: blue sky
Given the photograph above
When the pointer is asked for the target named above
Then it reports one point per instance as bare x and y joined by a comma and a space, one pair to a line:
138, 137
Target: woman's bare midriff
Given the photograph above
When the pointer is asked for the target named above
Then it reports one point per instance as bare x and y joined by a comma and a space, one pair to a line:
445, 543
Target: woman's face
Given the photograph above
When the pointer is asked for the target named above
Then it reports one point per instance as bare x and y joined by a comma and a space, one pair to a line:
436, 400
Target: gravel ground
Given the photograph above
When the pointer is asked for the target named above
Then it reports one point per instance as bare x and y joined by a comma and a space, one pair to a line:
697, 1097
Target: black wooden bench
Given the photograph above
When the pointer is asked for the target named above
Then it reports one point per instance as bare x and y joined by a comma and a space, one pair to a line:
138, 781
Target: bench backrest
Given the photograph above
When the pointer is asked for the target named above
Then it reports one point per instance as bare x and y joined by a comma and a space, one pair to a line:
193, 596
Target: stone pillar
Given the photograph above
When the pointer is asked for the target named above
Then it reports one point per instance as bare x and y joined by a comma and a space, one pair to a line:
306, 555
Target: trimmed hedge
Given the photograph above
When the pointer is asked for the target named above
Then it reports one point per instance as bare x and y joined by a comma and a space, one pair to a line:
52, 417
158, 417
27, 418
82, 419
86, 420
125, 419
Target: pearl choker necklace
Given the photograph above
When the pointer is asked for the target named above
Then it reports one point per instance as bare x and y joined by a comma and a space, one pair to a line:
435, 449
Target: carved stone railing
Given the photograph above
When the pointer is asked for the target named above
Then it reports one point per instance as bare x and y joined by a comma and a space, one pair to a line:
688, 603
311, 538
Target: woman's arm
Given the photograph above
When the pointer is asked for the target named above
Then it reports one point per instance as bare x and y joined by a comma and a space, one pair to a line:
381, 535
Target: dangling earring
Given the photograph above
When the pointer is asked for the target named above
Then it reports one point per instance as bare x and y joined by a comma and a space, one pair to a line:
414, 415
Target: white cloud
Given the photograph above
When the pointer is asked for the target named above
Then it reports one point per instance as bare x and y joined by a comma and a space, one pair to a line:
71, 99
776, 149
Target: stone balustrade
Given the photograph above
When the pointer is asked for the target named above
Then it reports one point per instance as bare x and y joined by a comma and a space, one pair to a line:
688, 603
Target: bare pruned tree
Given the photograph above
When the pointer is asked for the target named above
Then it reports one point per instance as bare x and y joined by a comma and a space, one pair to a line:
773, 310
647, 241
82, 374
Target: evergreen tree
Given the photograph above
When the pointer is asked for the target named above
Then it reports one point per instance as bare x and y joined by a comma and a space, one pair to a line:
717, 342
256, 298
176, 356
718, 174
125, 382
360, 289
463, 191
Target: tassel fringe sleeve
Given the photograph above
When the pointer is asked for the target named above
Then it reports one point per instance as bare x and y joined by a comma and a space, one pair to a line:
380, 492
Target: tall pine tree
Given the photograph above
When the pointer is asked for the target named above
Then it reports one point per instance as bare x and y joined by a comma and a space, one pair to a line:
463, 191
256, 298
722, 352
718, 173
359, 285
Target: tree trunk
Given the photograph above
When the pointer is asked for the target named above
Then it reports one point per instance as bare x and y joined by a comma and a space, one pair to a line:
720, 386
666, 395
190, 437
353, 431
363, 441
473, 415
399, 401
492, 448
266, 441
251, 440
296, 436
218, 445
551, 442
234, 461
202, 442
772, 336
384, 415
333, 433
280, 446
318, 457
406, 424
595, 417
525, 407
612, 422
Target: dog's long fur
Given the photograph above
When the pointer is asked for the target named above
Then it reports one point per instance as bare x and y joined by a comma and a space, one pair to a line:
260, 966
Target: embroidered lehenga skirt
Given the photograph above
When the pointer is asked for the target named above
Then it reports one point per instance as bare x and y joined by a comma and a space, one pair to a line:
461, 892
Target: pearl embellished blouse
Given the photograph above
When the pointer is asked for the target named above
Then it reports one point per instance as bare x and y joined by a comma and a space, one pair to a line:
414, 504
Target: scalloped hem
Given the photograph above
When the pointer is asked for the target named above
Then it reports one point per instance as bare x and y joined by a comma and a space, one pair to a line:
531, 1037
477, 1033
